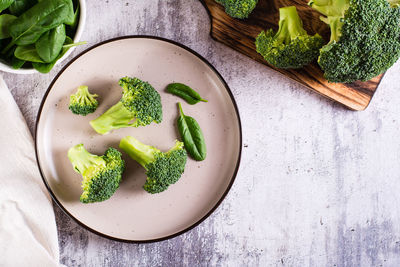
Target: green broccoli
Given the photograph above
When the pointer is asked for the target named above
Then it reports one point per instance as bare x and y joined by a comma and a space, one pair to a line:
83, 102
365, 38
101, 174
291, 47
139, 102
162, 168
240, 9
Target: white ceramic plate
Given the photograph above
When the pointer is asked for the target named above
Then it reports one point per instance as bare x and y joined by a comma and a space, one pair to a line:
132, 214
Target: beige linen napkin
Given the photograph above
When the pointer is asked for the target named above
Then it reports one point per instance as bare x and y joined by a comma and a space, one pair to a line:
28, 234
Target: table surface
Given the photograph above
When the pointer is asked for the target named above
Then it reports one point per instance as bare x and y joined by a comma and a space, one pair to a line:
318, 184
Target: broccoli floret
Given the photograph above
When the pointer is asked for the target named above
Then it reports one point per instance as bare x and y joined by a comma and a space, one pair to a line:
291, 47
83, 102
240, 9
101, 174
365, 38
139, 102
162, 168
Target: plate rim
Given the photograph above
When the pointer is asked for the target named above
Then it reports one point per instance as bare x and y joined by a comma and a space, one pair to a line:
203, 218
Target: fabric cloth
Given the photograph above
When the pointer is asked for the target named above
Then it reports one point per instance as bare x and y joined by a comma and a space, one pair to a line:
28, 233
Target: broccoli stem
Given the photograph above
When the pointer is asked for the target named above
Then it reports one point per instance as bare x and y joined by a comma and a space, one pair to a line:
290, 25
334, 8
81, 159
118, 116
143, 154
335, 24
85, 96
334, 11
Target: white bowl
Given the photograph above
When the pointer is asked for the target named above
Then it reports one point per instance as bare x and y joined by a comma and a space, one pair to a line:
77, 37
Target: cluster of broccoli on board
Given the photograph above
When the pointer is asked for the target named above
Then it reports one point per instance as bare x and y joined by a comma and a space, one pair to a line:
365, 38
238, 8
291, 46
364, 41
139, 103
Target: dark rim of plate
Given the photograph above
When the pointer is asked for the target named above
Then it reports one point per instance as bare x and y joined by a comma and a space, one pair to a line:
237, 163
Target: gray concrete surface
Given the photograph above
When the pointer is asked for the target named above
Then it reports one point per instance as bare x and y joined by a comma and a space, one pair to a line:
318, 184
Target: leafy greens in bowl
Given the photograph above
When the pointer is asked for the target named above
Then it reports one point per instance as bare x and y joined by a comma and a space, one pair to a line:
36, 35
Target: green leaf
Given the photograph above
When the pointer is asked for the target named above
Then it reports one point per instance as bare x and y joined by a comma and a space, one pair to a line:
17, 63
50, 43
71, 15
41, 18
192, 136
76, 17
5, 4
27, 53
46, 67
20, 6
5, 21
185, 92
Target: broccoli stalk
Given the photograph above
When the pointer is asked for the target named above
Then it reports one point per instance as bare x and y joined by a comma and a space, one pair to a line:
240, 9
83, 102
162, 168
364, 38
139, 102
101, 174
290, 47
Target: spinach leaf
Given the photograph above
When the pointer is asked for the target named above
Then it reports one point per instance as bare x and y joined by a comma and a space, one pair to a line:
17, 63
5, 21
76, 18
5, 4
46, 67
50, 43
192, 136
71, 14
27, 53
185, 92
42, 17
20, 6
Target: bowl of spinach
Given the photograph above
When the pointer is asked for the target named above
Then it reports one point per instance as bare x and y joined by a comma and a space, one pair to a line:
35, 35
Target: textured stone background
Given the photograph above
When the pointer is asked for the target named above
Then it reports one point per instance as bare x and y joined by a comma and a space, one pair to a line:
318, 184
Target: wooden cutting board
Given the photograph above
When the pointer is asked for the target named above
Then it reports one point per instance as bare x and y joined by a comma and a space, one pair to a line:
240, 35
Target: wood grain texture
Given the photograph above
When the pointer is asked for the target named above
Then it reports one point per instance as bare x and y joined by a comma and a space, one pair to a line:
240, 35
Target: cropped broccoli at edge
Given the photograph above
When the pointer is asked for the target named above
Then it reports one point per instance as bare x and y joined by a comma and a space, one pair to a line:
162, 168
240, 9
291, 47
101, 174
365, 38
83, 102
139, 102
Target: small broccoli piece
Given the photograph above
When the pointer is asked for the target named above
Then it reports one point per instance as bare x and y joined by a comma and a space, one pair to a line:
291, 47
364, 38
240, 9
139, 102
83, 102
101, 174
162, 168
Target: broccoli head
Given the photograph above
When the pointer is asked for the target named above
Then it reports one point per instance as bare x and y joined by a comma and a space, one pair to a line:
162, 168
240, 9
365, 38
291, 47
83, 102
139, 102
101, 174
